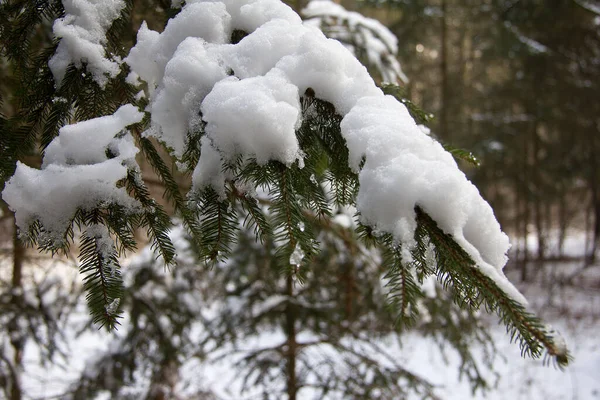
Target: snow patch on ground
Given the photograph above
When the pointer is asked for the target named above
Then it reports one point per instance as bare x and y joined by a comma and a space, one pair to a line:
573, 310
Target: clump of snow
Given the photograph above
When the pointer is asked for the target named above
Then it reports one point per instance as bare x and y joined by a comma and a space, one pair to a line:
76, 173
83, 35
149, 57
189, 76
104, 243
112, 308
328, 68
405, 168
560, 345
209, 171
297, 256
248, 95
256, 117
248, 15
360, 35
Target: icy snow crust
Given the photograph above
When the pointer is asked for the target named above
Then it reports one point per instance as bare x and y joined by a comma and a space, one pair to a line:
248, 96
83, 35
76, 173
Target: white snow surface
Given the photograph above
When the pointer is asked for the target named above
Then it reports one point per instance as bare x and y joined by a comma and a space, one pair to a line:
76, 173
356, 30
83, 35
574, 310
265, 108
254, 113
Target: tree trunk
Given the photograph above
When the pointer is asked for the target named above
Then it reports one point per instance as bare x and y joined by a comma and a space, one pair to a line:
596, 231
588, 229
14, 330
538, 196
517, 224
593, 184
525, 215
292, 345
444, 99
562, 220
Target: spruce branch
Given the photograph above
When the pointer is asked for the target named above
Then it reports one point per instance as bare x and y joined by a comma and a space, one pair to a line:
154, 218
254, 218
122, 225
473, 288
403, 289
218, 225
289, 225
172, 191
321, 139
400, 94
102, 277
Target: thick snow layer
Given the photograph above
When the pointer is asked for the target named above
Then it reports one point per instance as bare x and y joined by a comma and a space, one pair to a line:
248, 96
189, 77
209, 171
360, 34
248, 15
404, 168
255, 117
76, 173
83, 35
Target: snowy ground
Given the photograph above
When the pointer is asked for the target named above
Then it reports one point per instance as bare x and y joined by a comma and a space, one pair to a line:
574, 310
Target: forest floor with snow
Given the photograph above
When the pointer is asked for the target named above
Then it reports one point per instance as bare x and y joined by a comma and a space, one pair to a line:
572, 308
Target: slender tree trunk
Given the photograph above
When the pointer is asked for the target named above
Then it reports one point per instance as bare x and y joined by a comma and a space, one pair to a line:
562, 220
292, 345
517, 225
538, 196
593, 184
14, 330
595, 201
588, 229
548, 224
524, 234
444, 99
526, 204
596, 231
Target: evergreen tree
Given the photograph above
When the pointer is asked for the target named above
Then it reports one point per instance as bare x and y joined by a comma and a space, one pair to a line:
329, 337
305, 143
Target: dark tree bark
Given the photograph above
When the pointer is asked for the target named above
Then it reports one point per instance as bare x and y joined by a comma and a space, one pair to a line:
13, 328
292, 345
444, 99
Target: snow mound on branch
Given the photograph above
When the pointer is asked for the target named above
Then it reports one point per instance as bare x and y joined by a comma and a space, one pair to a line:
247, 94
268, 109
76, 173
83, 35
360, 35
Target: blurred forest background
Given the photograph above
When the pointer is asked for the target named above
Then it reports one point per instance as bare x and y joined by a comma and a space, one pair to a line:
515, 82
